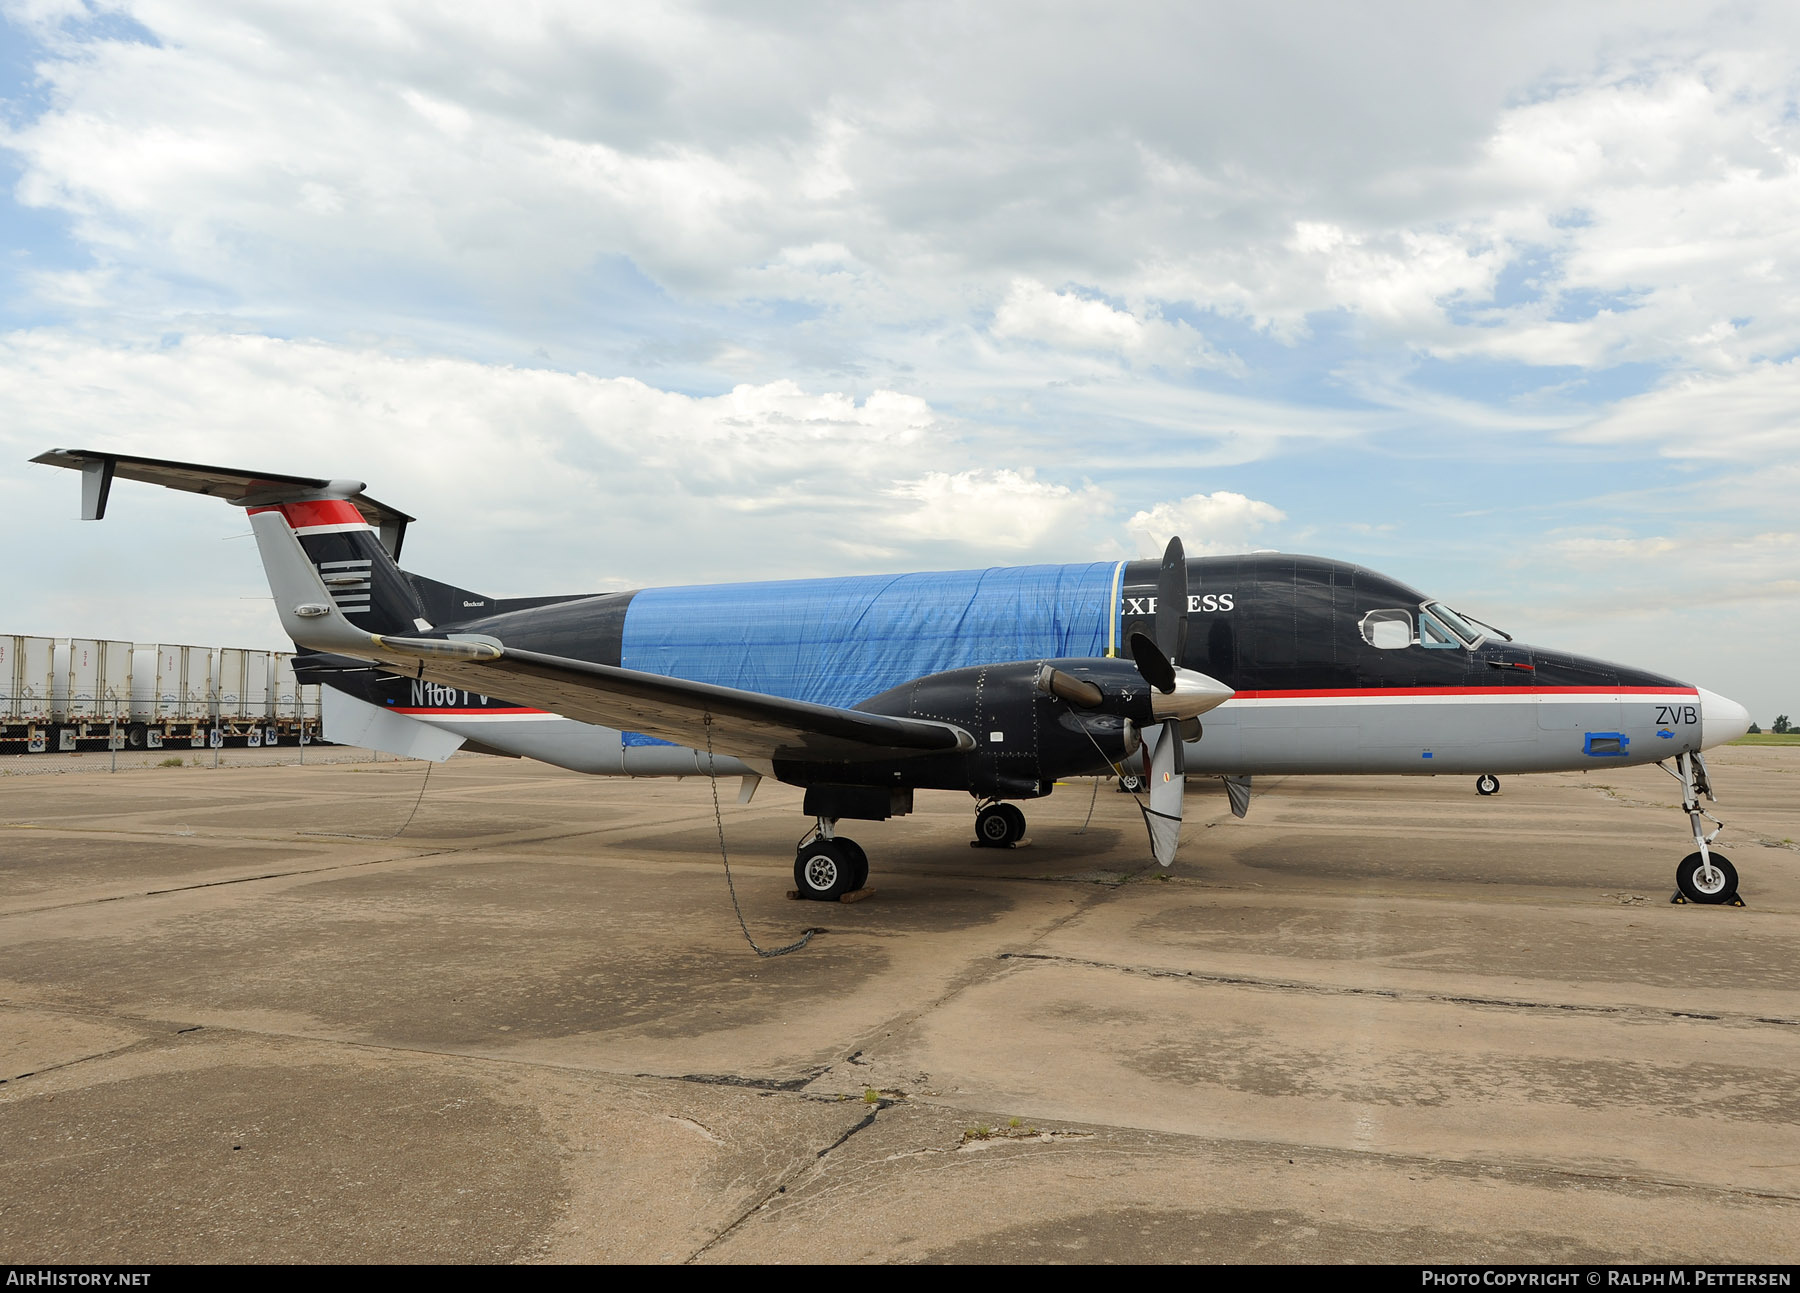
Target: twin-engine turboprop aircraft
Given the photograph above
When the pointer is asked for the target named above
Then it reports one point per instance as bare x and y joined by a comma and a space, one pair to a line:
993, 682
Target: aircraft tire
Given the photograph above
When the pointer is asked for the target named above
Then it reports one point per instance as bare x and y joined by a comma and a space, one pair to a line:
1722, 891
1015, 817
1130, 783
994, 827
1487, 784
859, 864
825, 870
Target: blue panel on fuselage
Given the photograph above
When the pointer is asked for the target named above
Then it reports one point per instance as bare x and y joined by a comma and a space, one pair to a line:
840, 641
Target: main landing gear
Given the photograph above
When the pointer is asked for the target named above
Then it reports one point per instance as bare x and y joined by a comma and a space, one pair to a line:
999, 826
1487, 784
827, 865
1703, 876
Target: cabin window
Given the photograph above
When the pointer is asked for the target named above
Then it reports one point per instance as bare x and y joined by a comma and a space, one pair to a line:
1434, 635
1388, 630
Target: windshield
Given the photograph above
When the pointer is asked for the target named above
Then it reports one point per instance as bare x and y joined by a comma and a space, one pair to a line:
1483, 624
1456, 623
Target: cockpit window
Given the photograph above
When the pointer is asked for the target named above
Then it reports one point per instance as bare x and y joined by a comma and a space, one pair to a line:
1502, 634
1469, 634
1388, 630
1434, 635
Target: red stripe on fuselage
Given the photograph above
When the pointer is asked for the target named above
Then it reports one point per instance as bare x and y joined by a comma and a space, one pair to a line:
329, 511
1337, 693
473, 709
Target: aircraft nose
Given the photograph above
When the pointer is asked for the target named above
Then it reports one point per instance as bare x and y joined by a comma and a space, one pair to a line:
1721, 720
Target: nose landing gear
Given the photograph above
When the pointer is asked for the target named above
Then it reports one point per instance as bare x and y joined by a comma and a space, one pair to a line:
1487, 784
1703, 876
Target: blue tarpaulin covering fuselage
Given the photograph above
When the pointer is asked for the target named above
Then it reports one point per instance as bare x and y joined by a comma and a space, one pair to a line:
841, 641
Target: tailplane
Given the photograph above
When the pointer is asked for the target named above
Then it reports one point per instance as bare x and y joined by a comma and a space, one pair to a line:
351, 540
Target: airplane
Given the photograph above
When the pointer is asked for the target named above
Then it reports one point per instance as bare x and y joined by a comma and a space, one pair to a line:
995, 683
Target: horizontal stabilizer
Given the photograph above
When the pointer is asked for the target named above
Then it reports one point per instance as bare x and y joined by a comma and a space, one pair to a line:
237, 486
349, 721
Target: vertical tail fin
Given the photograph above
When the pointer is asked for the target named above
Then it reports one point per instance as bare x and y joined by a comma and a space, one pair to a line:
363, 580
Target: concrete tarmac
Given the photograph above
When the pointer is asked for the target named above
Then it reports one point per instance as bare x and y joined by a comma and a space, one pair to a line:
1382, 1019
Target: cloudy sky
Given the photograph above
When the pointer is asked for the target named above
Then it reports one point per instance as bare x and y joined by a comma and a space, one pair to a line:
1497, 299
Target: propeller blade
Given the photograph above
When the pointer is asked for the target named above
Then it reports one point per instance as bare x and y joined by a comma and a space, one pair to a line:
1153, 663
1172, 601
1237, 789
1167, 765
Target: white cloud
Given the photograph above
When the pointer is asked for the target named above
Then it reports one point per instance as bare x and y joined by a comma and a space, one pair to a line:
1032, 312
338, 156
1751, 416
524, 479
1008, 511
1207, 523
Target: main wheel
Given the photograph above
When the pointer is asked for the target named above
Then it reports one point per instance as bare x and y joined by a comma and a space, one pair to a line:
859, 864
994, 826
1487, 784
1015, 816
825, 869
1698, 885
1130, 782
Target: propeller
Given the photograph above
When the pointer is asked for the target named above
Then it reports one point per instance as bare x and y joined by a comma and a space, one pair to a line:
1157, 662
1177, 697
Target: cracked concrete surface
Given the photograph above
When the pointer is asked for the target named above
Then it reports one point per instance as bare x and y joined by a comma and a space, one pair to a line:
1379, 1020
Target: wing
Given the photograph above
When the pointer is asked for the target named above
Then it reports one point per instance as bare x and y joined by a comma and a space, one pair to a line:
747, 724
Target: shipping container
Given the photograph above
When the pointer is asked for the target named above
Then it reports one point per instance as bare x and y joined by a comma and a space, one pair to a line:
194, 690
228, 684
92, 682
77, 695
257, 697
284, 699
114, 705
144, 676
26, 664
37, 678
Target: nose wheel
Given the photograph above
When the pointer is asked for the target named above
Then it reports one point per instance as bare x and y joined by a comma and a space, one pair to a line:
1704, 876
1487, 784
1708, 878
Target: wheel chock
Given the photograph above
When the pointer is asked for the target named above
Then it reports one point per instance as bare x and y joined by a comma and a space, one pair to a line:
1736, 900
1016, 844
855, 895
